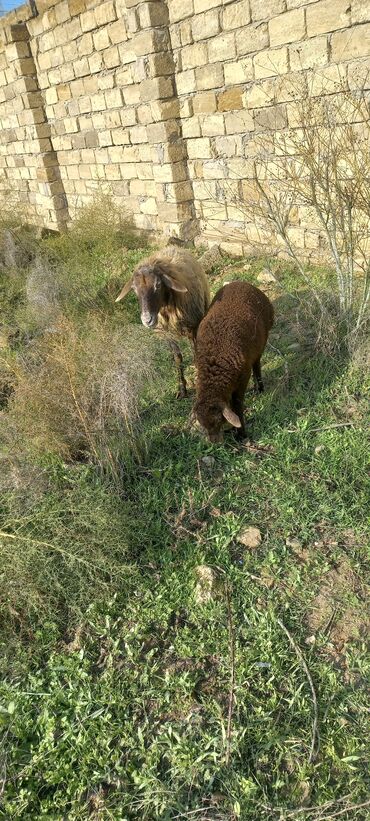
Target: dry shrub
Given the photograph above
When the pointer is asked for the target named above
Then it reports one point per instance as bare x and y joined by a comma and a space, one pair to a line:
104, 221
305, 190
80, 389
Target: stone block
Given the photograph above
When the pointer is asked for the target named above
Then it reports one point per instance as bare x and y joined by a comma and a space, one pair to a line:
111, 57
169, 152
231, 99
16, 33
262, 10
287, 28
309, 54
222, 47
360, 11
231, 146
326, 16
236, 15
74, 6
117, 32
194, 56
153, 14
260, 94
132, 95
205, 103
178, 10
239, 122
149, 206
240, 71
62, 12
186, 82
272, 118
199, 148
159, 88
269, 63
191, 127
179, 191
351, 43
212, 210
120, 136
147, 42
18, 51
209, 76
170, 172
128, 117
213, 125
105, 13
160, 64
101, 39
165, 110
174, 212
205, 26
87, 21
85, 45
205, 5
113, 98
252, 38
162, 132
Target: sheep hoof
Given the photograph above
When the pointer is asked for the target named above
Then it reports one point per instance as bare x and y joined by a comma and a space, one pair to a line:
181, 393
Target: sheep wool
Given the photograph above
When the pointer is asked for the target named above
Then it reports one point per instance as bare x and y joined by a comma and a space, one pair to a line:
229, 344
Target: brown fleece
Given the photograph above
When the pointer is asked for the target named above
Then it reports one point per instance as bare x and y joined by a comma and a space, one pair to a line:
230, 341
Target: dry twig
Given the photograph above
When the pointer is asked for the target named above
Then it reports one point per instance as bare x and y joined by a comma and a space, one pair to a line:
315, 743
232, 673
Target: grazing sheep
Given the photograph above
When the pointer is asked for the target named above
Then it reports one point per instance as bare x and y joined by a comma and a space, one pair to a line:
173, 294
229, 344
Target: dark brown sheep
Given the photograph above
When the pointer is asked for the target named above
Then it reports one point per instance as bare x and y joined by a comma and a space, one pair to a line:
230, 341
173, 293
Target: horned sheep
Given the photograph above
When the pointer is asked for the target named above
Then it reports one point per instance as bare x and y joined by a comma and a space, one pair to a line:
230, 341
173, 293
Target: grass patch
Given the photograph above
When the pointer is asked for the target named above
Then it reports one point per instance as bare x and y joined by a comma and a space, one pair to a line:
116, 685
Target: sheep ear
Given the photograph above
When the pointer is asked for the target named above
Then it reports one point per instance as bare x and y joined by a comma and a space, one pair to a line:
231, 417
126, 288
171, 283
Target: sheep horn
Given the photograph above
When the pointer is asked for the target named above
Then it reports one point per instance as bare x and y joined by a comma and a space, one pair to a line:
231, 417
126, 288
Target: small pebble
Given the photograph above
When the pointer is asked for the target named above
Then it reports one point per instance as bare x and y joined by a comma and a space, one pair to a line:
250, 537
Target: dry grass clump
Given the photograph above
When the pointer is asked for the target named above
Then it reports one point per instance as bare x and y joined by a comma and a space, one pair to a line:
63, 543
79, 392
103, 221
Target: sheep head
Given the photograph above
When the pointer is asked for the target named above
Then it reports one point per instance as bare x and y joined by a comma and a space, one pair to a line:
211, 416
152, 282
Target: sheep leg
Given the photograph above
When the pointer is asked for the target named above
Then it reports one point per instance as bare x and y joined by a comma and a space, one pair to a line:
177, 355
257, 377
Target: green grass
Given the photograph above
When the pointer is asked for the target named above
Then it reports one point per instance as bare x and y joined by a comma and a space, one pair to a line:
115, 698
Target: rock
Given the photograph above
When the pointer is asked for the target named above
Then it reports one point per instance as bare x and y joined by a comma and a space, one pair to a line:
205, 584
293, 543
310, 640
265, 277
250, 537
211, 258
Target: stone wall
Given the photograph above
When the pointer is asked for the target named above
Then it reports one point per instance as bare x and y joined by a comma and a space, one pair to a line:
159, 100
